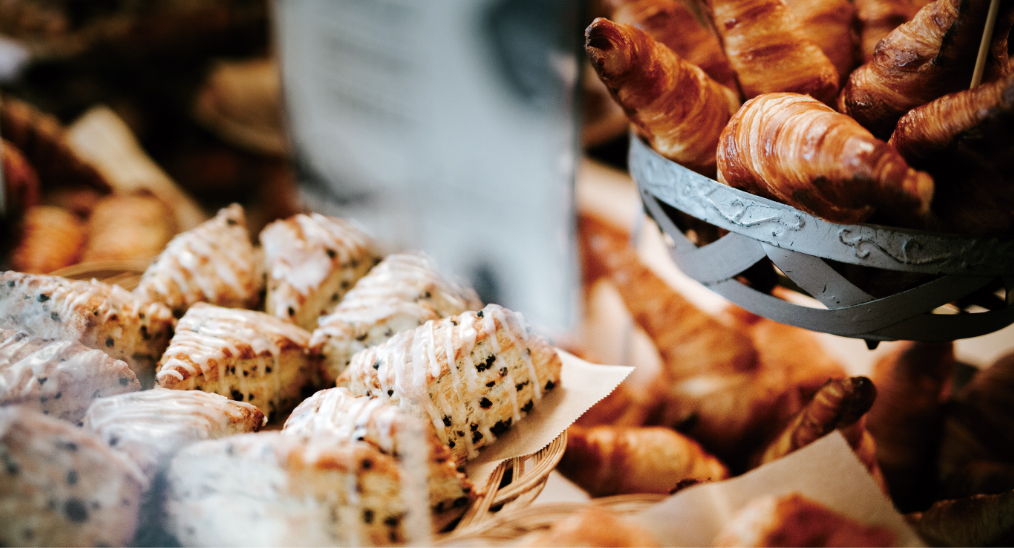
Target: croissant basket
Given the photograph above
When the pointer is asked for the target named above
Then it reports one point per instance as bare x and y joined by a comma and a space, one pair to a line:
768, 240
514, 484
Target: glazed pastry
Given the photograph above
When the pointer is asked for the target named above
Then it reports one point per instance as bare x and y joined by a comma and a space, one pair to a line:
673, 105
499, 370
58, 378
214, 263
979, 520
825, 163
965, 139
770, 51
270, 489
913, 382
246, 355
127, 227
391, 429
676, 25
51, 238
152, 426
95, 314
21, 184
312, 261
402, 292
62, 486
794, 520
592, 526
930, 56
609, 460
877, 18
828, 23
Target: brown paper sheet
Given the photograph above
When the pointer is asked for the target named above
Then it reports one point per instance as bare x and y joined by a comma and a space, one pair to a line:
582, 385
825, 471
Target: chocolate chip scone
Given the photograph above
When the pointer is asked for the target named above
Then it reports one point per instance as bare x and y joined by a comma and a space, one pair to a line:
395, 432
58, 378
497, 371
61, 486
270, 489
213, 262
152, 426
403, 292
106, 317
311, 262
246, 355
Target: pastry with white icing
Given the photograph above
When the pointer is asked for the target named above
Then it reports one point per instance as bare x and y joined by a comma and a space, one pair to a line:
311, 262
403, 292
497, 371
242, 354
153, 425
58, 378
102, 316
270, 489
61, 486
395, 432
213, 262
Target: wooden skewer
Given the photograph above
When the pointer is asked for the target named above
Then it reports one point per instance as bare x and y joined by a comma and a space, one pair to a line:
987, 38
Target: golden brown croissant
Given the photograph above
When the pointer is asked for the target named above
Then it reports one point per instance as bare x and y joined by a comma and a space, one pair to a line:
828, 23
966, 140
769, 50
979, 520
672, 103
20, 182
129, 226
592, 526
612, 460
912, 382
877, 18
674, 23
823, 162
51, 238
931, 55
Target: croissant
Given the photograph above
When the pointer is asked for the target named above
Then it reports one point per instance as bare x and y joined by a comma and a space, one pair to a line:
824, 162
912, 382
674, 24
877, 18
828, 23
610, 460
51, 238
128, 226
931, 55
769, 50
592, 526
966, 140
672, 103
980, 520
21, 184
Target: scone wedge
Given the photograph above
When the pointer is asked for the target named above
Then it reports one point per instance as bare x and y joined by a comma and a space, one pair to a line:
242, 354
472, 376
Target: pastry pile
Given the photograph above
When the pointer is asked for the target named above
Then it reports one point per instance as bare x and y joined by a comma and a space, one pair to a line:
892, 136
220, 338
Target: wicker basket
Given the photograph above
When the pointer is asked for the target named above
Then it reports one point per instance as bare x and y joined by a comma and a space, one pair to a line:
511, 526
514, 484
963, 270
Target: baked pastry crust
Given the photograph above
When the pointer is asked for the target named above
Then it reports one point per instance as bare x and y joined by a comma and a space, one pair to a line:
312, 261
246, 355
153, 425
58, 378
123, 227
214, 262
499, 370
402, 292
270, 489
61, 486
98, 315
51, 238
395, 432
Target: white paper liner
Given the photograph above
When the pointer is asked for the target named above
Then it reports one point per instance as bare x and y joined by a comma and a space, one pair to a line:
582, 385
826, 471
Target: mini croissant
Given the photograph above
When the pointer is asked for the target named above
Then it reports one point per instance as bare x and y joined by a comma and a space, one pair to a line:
672, 103
769, 50
823, 162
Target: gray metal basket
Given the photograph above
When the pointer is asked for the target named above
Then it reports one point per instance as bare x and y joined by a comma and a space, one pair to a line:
967, 269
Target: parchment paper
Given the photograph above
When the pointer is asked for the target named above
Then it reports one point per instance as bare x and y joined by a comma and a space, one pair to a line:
826, 471
582, 385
